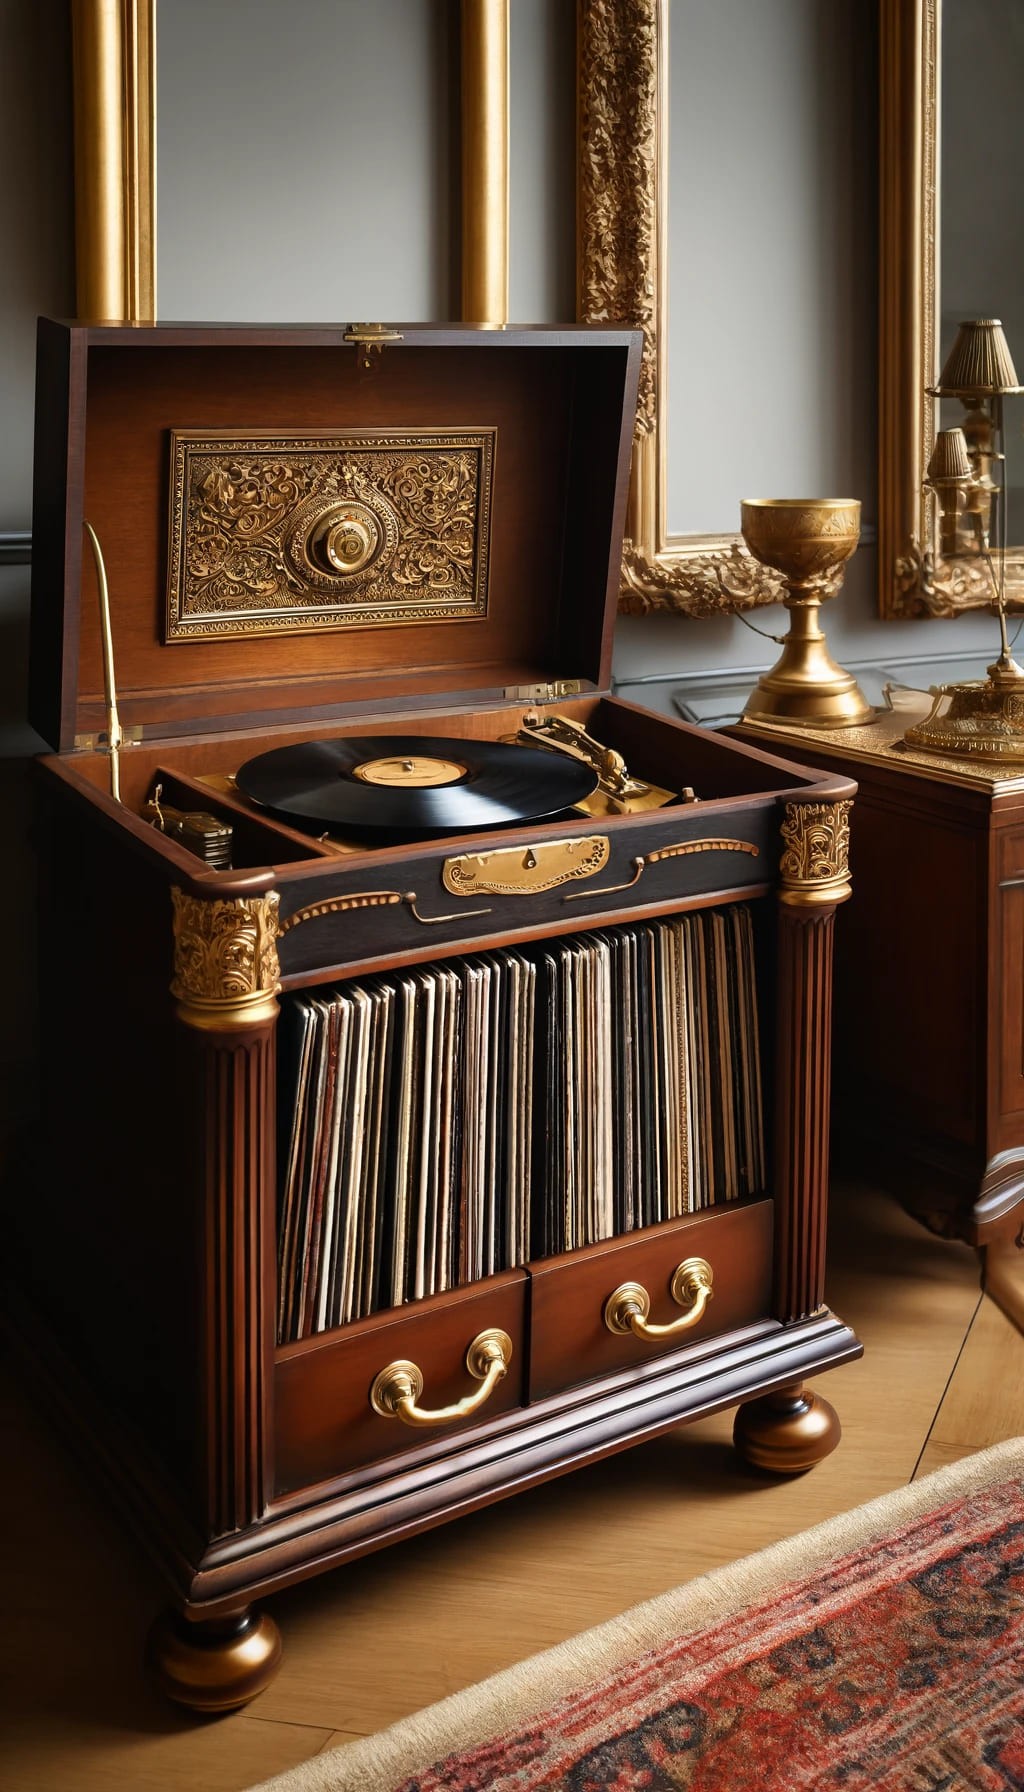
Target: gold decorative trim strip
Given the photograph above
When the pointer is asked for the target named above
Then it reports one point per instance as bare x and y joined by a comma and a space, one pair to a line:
225, 955
524, 871
340, 905
686, 846
679, 850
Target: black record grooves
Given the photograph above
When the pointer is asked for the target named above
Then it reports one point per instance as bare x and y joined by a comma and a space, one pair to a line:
412, 787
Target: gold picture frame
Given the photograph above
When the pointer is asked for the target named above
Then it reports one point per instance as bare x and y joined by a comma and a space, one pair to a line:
621, 69
913, 578
622, 115
114, 74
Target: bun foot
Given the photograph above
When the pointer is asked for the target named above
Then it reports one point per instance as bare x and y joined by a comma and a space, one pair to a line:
786, 1432
216, 1664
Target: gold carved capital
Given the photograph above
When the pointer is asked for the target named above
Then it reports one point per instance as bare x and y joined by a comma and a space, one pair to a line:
226, 970
815, 863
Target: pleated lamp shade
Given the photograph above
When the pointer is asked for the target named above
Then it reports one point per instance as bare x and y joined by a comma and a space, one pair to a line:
950, 463
979, 362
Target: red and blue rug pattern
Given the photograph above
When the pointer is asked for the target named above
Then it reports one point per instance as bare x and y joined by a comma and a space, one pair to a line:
901, 1665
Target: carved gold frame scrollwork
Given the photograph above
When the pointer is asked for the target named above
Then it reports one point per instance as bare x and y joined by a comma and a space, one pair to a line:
114, 67
913, 579
622, 117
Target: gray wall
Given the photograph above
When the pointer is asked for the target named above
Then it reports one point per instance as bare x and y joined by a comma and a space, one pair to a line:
773, 131
36, 274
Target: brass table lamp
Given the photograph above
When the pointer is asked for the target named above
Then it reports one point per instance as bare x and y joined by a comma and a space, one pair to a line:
981, 719
808, 541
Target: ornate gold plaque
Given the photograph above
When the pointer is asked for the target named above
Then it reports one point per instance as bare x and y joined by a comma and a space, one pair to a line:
523, 870
283, 533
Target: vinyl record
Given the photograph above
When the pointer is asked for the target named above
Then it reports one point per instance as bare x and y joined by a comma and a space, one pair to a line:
412, 787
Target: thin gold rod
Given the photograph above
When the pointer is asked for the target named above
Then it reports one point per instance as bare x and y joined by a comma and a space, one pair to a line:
113, 57
109, 686
485, 181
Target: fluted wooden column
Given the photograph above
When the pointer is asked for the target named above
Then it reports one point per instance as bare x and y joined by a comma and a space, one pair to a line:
226, 981
814, 880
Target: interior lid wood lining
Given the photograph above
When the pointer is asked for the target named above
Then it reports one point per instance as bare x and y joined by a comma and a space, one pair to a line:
562, 403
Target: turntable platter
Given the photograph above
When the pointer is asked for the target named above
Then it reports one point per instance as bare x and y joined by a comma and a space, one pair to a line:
412, 787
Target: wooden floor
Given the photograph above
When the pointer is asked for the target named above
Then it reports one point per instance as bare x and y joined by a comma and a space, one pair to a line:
941, 1377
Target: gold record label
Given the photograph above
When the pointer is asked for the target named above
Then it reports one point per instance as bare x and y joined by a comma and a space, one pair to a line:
281, 532
414, 772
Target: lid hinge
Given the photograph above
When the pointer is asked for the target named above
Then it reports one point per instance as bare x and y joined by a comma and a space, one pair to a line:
100, 743
544, 693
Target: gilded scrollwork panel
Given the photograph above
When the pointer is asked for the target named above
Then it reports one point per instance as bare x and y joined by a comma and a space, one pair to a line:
295, 532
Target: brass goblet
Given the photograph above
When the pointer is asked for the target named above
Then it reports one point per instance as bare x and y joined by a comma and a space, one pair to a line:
808, 541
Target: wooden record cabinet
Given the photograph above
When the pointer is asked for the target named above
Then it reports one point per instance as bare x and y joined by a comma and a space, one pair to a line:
146, 1252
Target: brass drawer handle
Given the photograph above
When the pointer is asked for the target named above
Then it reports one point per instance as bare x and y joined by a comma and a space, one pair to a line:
626, 1310
397, 1388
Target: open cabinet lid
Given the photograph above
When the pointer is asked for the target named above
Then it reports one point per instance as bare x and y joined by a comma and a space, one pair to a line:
296, 522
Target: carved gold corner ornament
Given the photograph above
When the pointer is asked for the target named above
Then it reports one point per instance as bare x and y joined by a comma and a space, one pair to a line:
622, 60
815, 863
927, 585
226, 970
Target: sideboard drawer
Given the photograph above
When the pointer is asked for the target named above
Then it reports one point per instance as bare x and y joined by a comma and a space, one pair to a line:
570, 1339
325, 1423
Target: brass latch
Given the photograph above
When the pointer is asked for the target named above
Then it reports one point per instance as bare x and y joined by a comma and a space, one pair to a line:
371, 338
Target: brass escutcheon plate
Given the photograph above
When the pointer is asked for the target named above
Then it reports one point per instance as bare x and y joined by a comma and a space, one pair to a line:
523, 870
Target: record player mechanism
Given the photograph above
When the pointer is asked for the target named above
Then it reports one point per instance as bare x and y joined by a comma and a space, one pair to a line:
380, 790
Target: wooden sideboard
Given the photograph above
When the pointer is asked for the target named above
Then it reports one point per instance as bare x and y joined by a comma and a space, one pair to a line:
928, 1050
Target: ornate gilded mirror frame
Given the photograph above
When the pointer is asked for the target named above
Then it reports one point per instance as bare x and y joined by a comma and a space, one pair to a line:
622, 121
913, 578
114, 54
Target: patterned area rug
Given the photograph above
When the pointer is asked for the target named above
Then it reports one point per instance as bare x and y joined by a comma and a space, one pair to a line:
882, 1649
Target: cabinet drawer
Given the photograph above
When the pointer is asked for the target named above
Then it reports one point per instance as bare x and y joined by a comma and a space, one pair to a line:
324, 1421
570, 1341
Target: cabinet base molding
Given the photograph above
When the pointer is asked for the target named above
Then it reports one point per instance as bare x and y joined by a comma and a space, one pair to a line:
301, 1535
786, 1432
216, 1665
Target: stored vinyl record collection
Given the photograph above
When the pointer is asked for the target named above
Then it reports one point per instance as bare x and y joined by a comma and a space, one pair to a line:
457, 1121
451, 1108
